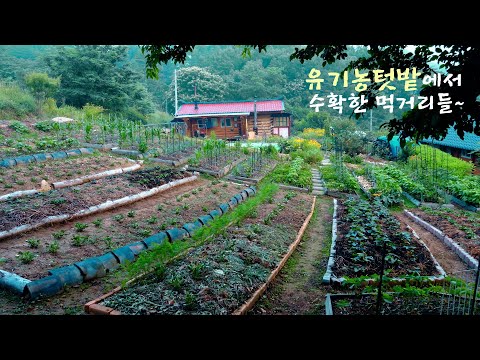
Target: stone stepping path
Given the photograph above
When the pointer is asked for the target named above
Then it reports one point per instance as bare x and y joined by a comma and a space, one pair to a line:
319, 187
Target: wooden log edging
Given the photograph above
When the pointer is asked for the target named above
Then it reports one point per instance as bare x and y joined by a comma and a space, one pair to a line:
331, 258
219, 173
457, 249
17, 194
110, 204
248, 305
88, 178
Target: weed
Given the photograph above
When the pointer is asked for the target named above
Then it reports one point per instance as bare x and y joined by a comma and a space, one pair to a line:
58, 234
80, 226
160, 271
53, 247
33, 243
196, 270
190, 300
26, 256
176, 282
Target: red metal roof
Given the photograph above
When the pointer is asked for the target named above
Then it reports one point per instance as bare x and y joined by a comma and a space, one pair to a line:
230, 107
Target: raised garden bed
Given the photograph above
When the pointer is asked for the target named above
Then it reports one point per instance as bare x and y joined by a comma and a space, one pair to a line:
114, 228
219, 276
26, 177
33, 209
362, 229
463, 227
397, 304
219, 170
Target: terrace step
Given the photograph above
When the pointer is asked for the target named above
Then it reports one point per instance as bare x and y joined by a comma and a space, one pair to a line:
319, 192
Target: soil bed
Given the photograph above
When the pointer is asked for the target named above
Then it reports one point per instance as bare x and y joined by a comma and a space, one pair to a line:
218, 277
400, 305
29, 176
33, 208
361, 231
112, 229
460, 225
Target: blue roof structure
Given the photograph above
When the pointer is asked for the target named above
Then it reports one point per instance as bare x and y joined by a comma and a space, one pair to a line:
470, 141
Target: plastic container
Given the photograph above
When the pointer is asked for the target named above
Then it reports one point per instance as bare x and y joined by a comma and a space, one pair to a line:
191, 227
177, 234
47, 286
224, 208
156, 239
124, 254
8, 162
215, 213
59, 155
74, 152
25, 159
69, 275
137, 247
109, 261
205, 219
91, 268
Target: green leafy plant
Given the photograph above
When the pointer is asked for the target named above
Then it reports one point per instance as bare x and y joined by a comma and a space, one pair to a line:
53, 247
176, 282
190, 300
33, 243
58, 234
79, 227
26, 257
152, 219
131, 213
196, 270
97, 222
119, 217
80, 240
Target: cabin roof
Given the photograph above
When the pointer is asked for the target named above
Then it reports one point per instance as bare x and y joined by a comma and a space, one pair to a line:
228, 108
470, 141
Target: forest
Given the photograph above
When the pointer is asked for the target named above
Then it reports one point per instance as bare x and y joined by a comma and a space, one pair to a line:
113, 78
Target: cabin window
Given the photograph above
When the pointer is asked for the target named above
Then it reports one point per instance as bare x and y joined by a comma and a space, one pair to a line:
201, 122
227, 122
212, 122
280, 121
466, 154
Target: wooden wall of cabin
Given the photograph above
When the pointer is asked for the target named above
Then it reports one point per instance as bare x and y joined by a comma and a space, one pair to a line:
264, 123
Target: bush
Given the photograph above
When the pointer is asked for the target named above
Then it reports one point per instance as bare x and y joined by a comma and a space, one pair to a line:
135, 115
92, 111
14, 102
19, 127
45, 126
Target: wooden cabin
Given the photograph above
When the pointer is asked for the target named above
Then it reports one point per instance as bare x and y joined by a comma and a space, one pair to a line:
235, 119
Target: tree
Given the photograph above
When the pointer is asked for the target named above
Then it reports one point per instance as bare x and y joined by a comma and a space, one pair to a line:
98, 74
209, 87
41, 86
417, 123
